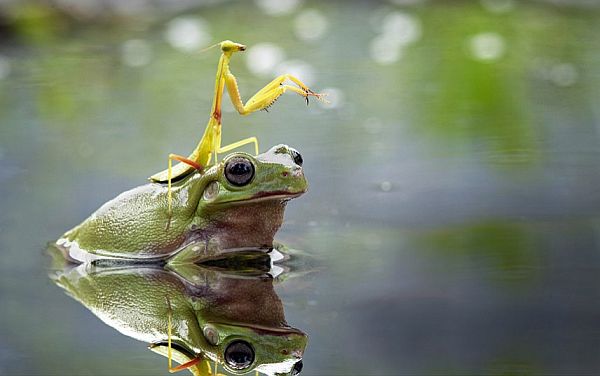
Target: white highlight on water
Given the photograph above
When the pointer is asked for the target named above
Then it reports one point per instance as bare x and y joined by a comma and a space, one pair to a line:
488, 46
188, 34
310, 25
277, 7
298, 68
397, 30
262, 58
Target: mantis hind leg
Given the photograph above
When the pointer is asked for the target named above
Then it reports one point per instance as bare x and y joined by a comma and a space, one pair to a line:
185, 365
182, 159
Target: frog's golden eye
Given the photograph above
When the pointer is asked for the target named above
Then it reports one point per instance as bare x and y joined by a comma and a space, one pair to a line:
239, 355
239, 171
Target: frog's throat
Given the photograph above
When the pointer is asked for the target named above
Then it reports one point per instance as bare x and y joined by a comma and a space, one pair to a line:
245, 224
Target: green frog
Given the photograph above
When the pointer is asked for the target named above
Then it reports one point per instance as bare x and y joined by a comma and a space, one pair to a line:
235, 205
193, 314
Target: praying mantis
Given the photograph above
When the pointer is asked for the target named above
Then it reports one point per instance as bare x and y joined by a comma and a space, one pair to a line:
210, 144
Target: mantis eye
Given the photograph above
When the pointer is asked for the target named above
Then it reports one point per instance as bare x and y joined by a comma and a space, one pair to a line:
239, 171
239, 355
297, 157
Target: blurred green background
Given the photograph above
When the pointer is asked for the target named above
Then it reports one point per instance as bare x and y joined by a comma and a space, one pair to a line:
454, 200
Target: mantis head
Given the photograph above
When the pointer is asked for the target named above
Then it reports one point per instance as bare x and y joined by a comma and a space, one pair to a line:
229, 46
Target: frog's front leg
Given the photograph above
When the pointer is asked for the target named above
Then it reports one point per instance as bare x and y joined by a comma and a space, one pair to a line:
195, 252
266, 96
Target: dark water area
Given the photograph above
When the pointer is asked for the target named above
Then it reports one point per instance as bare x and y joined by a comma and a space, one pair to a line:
452, 224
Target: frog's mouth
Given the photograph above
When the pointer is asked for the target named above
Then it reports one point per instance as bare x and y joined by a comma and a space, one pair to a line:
274, 195
263, 329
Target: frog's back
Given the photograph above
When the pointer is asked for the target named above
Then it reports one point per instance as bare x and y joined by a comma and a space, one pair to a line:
133, 225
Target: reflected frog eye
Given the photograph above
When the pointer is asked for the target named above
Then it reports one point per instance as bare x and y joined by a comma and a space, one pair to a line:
239, 355
239, 171
297, 157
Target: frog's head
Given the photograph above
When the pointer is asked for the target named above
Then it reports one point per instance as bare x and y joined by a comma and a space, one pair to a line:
244, 197
242, 348
241, 178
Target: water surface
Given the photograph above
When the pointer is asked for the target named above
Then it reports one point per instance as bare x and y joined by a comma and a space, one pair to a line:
453, 207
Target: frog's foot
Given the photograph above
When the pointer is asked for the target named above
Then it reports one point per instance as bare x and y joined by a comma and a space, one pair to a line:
210, 253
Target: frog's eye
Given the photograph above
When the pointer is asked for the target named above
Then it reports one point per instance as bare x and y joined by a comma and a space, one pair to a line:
239, 171
297, 368
239, 355
296, 156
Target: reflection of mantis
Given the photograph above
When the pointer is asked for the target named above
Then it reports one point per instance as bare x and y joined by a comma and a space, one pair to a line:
211, 140
184, 364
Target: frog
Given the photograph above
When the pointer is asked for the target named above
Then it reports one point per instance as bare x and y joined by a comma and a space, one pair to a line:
198, 316
234, 206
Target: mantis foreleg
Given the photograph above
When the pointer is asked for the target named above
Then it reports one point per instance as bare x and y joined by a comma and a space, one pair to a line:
266, 96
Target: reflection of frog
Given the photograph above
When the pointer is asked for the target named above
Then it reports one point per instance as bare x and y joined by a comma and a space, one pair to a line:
237, 203
236, 320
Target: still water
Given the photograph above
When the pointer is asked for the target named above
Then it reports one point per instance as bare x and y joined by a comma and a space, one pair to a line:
452, 223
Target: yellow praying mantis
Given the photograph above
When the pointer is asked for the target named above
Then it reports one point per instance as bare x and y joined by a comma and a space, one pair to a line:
210, 144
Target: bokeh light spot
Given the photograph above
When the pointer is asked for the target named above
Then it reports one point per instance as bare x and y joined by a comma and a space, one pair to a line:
401, 28
564, 75
487, 46
310, 25
385, 186
262, 58
334, 97
298, 68
188, 34
277, 7
385, 50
